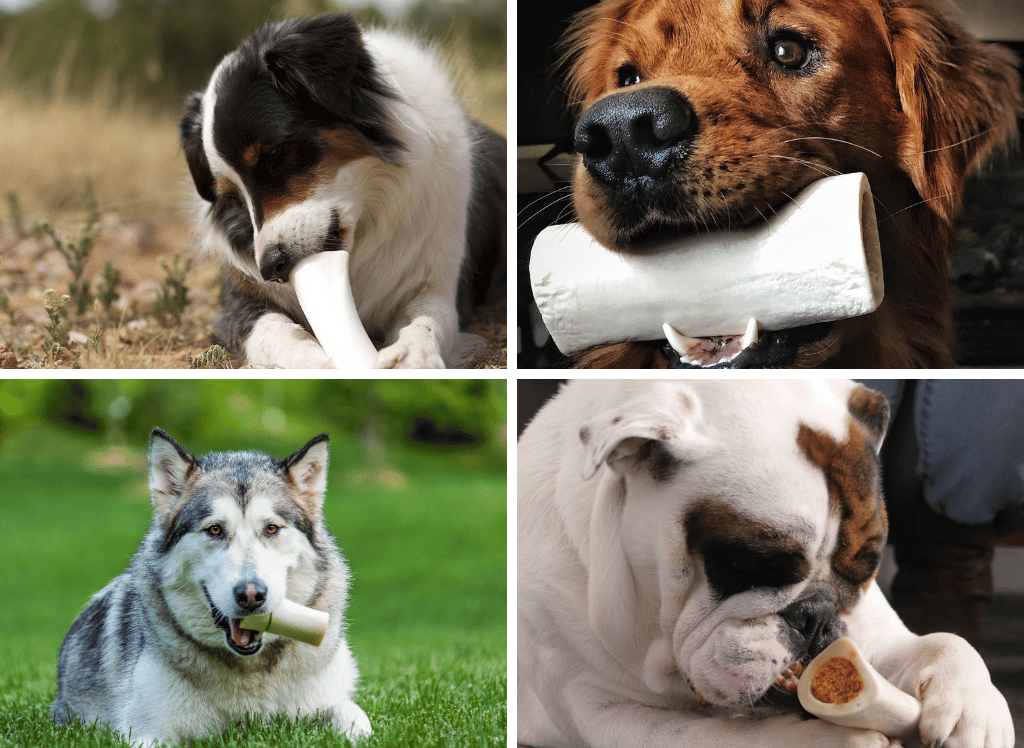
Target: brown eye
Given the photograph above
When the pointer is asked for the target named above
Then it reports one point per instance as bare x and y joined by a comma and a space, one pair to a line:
790, 53
628, 75
214, 530
272, 529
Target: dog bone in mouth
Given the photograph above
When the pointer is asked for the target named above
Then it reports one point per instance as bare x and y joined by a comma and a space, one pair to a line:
817, 260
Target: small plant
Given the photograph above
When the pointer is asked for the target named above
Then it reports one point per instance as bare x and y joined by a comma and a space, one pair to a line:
173, 299
14, 206
5, 307
58, 327
213, 357
106, 291
76, 252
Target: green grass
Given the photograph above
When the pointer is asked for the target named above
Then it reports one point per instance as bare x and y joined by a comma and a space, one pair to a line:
426, 617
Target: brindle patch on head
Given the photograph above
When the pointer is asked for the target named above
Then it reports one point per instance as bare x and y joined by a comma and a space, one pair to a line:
741, 553
871, 409
855, 494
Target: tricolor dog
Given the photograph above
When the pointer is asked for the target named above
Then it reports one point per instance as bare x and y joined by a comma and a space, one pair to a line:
160, 653
314, 136
686, 547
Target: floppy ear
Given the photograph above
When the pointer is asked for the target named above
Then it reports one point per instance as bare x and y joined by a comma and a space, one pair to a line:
871, 410
638, 432
170, 468
307, 469
323, 65
191, 134
961, 98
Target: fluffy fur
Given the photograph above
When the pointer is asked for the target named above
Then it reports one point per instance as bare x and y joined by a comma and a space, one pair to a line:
315, 135
683, 546
159, 653
749, 102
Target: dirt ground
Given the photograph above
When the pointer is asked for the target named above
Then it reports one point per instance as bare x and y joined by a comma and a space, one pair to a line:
131, 333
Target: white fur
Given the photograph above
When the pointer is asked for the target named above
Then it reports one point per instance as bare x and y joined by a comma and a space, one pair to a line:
615, 619
404, 226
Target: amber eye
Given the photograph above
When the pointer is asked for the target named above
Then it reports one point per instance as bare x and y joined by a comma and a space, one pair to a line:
628, 75
214, 530
790, 52
272, 529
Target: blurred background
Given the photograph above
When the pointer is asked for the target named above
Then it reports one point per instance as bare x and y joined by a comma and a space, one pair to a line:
90, 96
416, 498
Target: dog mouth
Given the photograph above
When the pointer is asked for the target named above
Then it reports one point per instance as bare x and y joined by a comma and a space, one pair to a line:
240, 640
753, 349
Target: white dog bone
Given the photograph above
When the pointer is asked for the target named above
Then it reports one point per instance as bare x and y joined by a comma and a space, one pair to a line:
841, 687
817, 260
292, 620
322, 284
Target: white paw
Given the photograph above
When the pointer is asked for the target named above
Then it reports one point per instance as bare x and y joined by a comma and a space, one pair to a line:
406, 354
962, 712
350, 720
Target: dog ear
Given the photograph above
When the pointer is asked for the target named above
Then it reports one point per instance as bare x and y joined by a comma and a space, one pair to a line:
191, 135
871, 410
170, 468
307, 469
961, 98
639, 433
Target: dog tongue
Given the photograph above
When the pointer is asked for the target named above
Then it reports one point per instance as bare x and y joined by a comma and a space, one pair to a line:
241, 637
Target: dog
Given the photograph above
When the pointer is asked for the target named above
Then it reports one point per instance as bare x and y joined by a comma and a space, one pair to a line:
707, 115
686, 547
315, 135
160, 653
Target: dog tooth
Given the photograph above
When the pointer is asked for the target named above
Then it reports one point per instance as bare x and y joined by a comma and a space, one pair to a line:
750, 335
677, 340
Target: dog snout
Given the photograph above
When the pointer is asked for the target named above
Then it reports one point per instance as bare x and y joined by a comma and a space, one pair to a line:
250, 594
635, 134
276, 265
814, 622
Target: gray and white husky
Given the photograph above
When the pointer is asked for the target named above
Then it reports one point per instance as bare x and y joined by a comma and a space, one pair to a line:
159, 653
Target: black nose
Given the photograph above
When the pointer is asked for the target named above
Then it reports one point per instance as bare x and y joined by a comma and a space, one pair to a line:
250, 594
814, 622
635, 134
276, 265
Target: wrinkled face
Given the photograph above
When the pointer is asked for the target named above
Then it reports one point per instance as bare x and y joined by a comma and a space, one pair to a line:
758, 535
709, 115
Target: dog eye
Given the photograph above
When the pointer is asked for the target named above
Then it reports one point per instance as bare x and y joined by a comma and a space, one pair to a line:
791, 53
272, 529
214, 530
628, 75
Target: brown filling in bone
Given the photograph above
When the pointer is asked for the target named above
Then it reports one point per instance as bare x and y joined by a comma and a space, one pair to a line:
836, 682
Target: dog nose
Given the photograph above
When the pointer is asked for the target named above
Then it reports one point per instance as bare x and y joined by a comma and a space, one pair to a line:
250, 594
276, 265
814, 621
635, 134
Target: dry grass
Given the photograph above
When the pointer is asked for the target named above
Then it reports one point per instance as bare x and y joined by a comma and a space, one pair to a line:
49, 152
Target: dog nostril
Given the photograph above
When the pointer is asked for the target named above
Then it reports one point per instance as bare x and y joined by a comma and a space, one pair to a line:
250, 595
593, 141
275, 265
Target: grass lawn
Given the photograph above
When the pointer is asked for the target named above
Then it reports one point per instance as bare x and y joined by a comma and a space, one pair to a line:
427, 610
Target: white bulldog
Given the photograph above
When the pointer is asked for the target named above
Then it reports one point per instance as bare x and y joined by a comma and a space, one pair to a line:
685, 547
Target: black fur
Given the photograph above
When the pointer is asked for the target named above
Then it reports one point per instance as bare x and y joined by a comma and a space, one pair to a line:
484, 271
191, 131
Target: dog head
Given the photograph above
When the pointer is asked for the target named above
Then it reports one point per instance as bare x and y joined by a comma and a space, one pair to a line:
236, 532
701, 116
734, 524
280, 141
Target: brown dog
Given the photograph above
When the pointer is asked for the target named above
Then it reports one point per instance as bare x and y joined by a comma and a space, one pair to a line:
700, 115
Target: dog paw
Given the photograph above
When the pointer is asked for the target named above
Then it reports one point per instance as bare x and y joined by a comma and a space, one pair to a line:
350, 720
959, 712
404, 355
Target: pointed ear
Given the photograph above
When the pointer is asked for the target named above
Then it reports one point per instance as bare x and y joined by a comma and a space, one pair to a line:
961, 99
645, 431
307, 469
170, 468
191, 134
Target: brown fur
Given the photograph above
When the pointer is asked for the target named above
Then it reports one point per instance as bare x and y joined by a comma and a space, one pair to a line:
904, 95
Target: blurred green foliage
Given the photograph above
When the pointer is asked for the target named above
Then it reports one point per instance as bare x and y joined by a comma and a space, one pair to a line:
158, 50
375, 420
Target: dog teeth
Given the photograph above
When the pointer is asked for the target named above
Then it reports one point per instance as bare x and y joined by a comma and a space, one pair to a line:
681, 343
750, 336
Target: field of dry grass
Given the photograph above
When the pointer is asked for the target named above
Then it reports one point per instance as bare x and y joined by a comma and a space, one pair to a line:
58, 158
